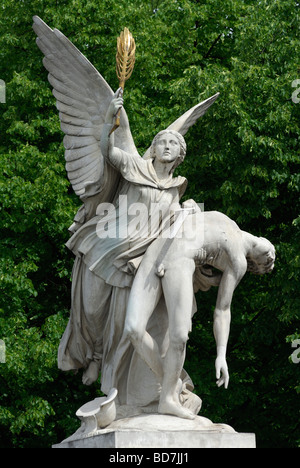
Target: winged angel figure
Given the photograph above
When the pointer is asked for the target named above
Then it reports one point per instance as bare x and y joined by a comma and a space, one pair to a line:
110, 177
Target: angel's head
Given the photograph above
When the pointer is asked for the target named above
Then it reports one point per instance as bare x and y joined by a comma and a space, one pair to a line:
169, 144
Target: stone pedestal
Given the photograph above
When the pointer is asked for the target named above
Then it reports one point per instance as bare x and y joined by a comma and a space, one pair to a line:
161, 431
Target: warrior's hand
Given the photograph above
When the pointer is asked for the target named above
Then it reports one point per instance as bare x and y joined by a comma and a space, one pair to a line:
222, 374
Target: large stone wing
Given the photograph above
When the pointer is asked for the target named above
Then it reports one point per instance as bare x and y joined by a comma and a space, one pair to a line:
82, 98
184, 122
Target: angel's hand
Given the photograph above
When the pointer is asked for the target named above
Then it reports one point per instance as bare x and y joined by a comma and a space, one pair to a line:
115, 105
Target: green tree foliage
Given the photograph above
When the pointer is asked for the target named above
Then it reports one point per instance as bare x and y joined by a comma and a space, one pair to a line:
243, 160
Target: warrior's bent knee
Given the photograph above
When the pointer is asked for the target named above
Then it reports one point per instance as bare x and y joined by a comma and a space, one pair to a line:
179, 340
133, 332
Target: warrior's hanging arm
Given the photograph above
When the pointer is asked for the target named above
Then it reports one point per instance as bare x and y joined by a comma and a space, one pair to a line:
222, 315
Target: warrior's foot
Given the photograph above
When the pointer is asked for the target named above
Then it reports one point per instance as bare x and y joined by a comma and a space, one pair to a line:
175, 409
91, 374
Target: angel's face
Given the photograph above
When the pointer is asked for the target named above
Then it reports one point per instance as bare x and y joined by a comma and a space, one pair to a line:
167, 148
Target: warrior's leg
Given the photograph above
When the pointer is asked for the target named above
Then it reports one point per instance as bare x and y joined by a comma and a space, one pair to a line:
144, 296
177, 286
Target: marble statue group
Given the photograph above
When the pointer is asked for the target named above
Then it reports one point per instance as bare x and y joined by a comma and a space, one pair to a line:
140, 253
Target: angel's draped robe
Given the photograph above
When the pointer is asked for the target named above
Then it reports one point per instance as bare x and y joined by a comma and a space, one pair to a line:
102, 275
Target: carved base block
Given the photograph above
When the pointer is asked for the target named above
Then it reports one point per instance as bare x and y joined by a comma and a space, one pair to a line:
161, 431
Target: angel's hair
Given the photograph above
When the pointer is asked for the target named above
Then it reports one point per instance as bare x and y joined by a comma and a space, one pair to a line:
182, 145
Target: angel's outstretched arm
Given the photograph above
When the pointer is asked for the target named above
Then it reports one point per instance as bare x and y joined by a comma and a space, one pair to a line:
82, 97
110, 152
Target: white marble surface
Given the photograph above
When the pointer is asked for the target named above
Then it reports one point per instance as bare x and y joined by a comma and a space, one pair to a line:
161, 431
